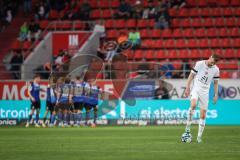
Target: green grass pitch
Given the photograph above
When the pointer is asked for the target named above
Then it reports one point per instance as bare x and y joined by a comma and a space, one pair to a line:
118, 143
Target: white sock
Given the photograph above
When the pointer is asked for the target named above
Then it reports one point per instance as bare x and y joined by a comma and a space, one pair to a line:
201, 127
189, 119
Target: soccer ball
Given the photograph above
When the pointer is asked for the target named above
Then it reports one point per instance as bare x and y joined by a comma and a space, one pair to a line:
186, 138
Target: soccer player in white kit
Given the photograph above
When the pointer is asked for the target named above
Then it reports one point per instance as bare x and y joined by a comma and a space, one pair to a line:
202, 75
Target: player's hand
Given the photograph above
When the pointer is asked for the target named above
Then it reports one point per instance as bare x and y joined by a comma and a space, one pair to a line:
187, 91
215, 98
33, 99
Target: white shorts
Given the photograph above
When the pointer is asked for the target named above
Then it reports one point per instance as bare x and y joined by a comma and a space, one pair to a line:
203, 98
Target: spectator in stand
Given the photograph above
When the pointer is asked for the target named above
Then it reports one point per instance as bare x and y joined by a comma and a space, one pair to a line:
122, 37
8, 18
166, 70
41, 11
138, 10
34, 30
135, 38
178, 3
23, 32
71, 10
162, 17
84, 11
27, 6
149, 12
16, 63
162, 92
124, 10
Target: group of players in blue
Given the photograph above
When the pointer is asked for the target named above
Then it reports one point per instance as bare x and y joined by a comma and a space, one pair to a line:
66, 102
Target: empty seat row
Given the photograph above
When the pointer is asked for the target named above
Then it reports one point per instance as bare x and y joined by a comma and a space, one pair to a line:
204, 3
205, 22
192, 43
182, 33
182, 54
131, 23
204, 12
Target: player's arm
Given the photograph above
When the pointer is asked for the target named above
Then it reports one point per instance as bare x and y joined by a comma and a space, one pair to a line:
215, 98
216, 79
189, 81
29, 92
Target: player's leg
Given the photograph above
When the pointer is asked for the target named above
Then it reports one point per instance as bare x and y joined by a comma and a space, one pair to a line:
203, 110
190, 113
45, 117
30, 115
71, 114
95, 110
88, 111
38, 106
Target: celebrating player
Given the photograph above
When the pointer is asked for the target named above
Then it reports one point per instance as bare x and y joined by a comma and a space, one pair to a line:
202, 74
91, 100
34, 95
64, 100
51, 102
78, 99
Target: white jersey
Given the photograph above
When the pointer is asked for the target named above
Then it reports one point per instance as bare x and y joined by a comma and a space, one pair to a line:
204, 76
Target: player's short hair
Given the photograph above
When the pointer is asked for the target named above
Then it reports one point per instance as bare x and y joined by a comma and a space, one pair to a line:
216, 57
36, 76
67, 80
78, 77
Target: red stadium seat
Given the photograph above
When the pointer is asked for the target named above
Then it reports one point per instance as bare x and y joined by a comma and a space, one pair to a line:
160, 54
223, 32
159, 44
208, 22
192, 43
222, 2
235, 3
193, 12
185, 22
93, 3
234, 32
103, 4
96, 14
142, 23
196, 22
155, 33
110, 23
131, 23
114, 3
172, 54
176, 22
225, 75
64, 25
139, 54
217, 12
231, 22
151, 23
225, 43
180, 43
107, 13
211, 32
205, 12
148, 44
166, 33
236, 42
172, 12
16, 45
169, 43
230, 53
177, 33
112, 34
145, 33
26, 45
188, 32
228, 12
150, 55
183, 12
194, 53
183, 53
203, 43
200, 32
214, 43
205, 53
120, 23
219, 22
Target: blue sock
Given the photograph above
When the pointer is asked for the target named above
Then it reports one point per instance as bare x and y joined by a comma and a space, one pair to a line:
29, 118
37, 118
65, 116
52, 119
60, 116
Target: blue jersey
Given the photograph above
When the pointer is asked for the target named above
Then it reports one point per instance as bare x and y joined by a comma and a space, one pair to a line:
92, 95
65, 91
78, 93
35, 91
51, 96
